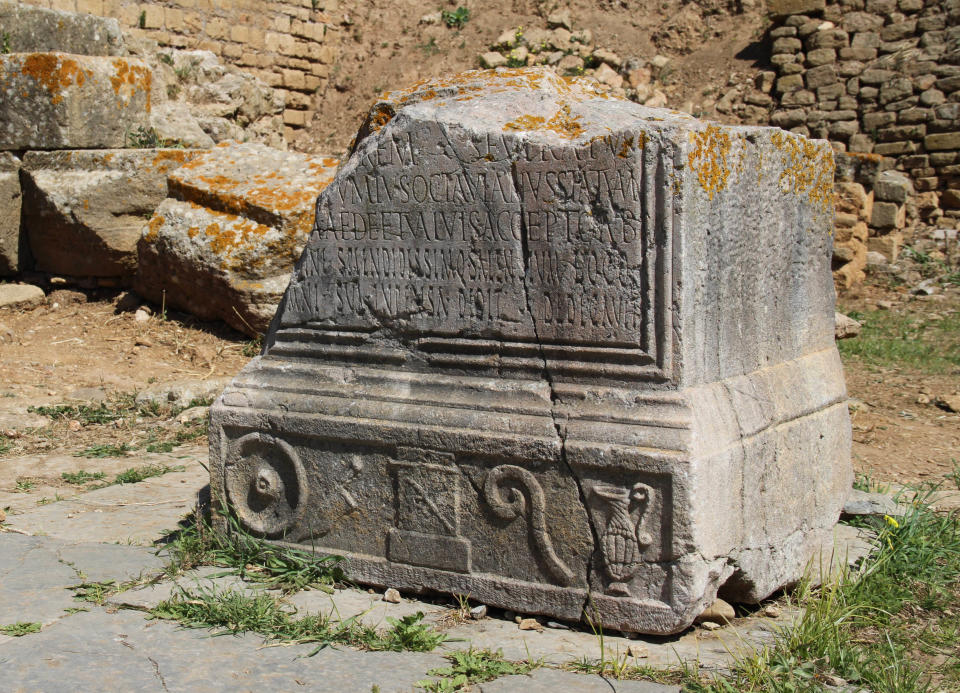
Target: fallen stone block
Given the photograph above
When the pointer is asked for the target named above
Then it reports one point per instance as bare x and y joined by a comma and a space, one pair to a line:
84, 210
20, 296
29, 29
861, 503
845, 327
10, 198
63, 101
223, 245
564, 353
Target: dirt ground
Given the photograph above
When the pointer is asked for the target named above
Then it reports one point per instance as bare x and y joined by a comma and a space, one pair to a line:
384, 45
90, 347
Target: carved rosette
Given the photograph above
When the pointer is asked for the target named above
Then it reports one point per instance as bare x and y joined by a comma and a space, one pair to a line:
266, 485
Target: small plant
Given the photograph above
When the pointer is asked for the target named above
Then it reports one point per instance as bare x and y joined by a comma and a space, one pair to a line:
173, 91
5, 43
455, 19
104, 450
473, 666
166, 446
81, 477
515, 62
429, 48
253, 347
166, 58
21, 628
142, 22
25, 485
94, 592
135, 475
410, 634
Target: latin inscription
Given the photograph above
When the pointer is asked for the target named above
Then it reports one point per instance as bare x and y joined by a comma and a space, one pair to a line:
443, 233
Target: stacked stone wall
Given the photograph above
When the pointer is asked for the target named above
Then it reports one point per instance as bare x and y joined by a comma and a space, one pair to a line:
290, 45
879, 76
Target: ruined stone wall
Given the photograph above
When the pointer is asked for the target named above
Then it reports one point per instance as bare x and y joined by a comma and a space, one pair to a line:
290, 44
880, 76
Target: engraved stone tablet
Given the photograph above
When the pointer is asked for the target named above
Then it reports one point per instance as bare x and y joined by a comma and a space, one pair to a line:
557, 351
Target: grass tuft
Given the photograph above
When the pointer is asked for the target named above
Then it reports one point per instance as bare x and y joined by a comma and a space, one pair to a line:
473, 666
21, 628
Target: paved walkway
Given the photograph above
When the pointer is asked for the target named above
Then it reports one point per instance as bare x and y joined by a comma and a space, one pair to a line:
108, 535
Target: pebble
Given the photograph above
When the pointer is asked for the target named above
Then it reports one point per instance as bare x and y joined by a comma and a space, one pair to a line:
832, 680
531, 624
74, 425
772, 611
948, 403
391, 596
710, 625
557, 625
884, 305
3, 515
634, 650
478, 612
141, 315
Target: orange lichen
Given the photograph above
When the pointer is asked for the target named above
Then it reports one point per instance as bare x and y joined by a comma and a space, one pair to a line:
708, 158
563, 122
128, 79
54, 73
153, 228
808, 167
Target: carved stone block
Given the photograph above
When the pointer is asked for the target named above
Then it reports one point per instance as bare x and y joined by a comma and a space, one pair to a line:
564, 353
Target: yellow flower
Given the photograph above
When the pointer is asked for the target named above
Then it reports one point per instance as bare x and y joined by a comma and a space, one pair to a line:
890, 521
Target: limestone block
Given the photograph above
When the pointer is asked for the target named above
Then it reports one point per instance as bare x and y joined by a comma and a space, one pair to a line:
888, 215
29, 29
555, 350
9, 214
893, 186
61, 101
784, 8
887, 245
84, 210
222, 245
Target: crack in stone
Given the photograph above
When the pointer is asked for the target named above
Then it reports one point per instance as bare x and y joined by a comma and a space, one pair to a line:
548, 378
156, 669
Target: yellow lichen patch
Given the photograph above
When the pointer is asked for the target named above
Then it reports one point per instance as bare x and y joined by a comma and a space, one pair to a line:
563, 122
153, 228
808, 167
381, 115
708, 158
54, 73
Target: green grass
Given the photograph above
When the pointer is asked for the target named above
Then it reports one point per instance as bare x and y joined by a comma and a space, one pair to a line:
890, 339
21, 628
251, 558
81, 477
25, 485
472, 666
883, 629
235, 612
135, 475
104, 450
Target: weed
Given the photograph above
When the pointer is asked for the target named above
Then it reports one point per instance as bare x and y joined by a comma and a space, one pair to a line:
21, 628
954, 476
314, 4
250, 557
253, 347
5, 444
455, 19
429, 48
149, 138
94, 592
166, 58
25, 486
142, 22
473, 666
84, 413
173, 91
515, 62
5, 43
81, 477
166, 446
75, 610
184, 72
47, 501
878, 629
104, 450
235, 612
135, 475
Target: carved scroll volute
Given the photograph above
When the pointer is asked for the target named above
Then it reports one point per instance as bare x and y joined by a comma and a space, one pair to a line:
624, 539
513, 492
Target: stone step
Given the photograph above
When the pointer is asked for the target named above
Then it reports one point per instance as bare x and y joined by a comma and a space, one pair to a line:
65, 101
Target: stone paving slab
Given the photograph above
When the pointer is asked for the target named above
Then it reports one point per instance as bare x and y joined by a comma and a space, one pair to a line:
33, 580
138, 513
124, 651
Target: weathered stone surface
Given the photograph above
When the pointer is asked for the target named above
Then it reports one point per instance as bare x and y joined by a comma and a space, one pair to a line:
547, 348
784, 8
84, 210
10, 198
222, 245
29, 29
20, 295
845, 326
62, 101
